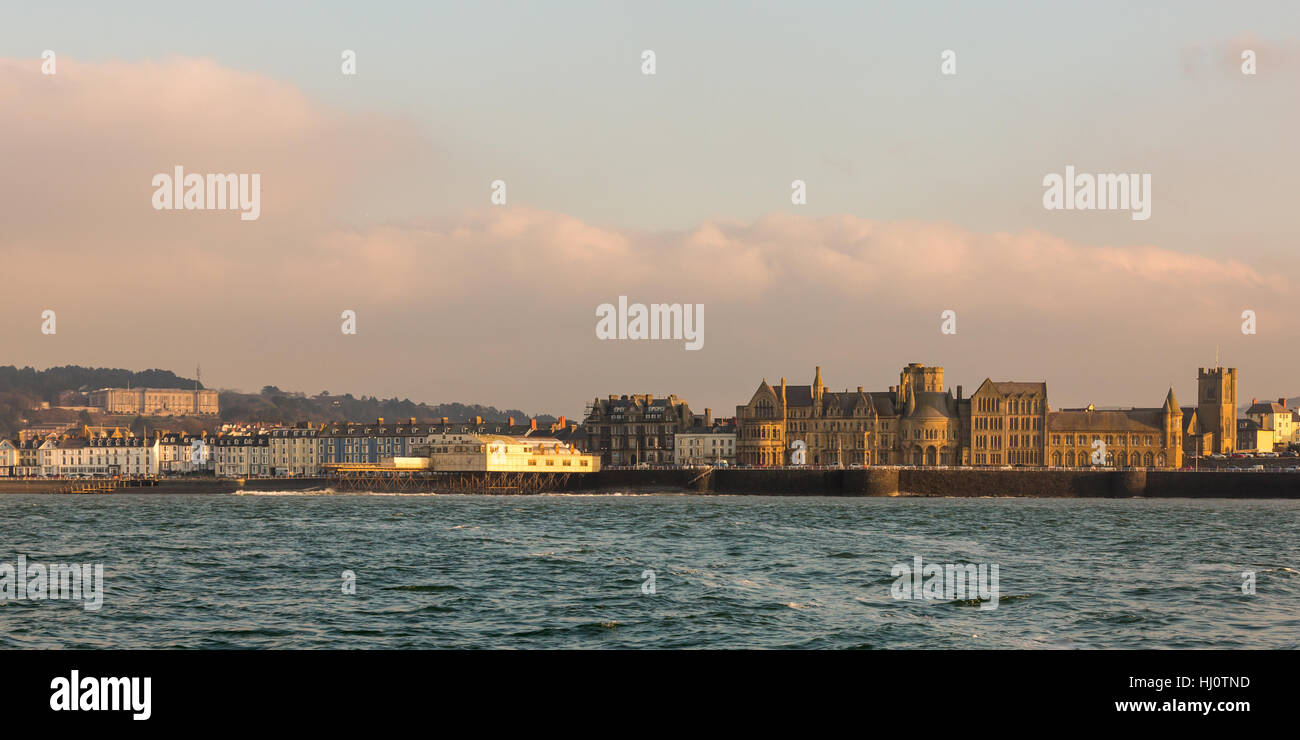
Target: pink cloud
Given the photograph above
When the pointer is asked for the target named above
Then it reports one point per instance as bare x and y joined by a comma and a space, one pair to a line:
515, 284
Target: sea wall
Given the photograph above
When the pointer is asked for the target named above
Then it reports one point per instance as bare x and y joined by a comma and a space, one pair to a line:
1035, 483
956, 482
169, 486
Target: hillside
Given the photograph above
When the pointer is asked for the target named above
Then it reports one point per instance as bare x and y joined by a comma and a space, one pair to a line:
23, 390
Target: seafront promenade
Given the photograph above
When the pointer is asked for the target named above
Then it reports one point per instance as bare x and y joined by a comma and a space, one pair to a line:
875, 481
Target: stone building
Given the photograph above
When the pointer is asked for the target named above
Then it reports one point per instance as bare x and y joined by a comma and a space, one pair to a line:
1007, 423
1137, 437
155, 401
1216, 410
631, 430
913, 423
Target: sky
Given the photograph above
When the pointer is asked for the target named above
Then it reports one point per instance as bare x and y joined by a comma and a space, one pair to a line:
924, 195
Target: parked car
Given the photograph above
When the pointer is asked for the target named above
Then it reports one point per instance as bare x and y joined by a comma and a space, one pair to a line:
1238, 456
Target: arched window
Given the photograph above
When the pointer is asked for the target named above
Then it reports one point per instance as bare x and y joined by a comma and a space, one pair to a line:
1137, 460
1069, 459
1056, 459
1148, 459
1160, 460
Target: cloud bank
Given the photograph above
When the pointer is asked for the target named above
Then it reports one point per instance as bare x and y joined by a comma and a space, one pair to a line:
497, 305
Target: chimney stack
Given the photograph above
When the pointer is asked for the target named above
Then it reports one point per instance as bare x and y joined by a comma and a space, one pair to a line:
958, 393
511, 420
1282, 401
708, 417
532, 424
381, 420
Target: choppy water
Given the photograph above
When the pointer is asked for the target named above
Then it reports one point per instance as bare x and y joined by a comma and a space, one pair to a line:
263, 571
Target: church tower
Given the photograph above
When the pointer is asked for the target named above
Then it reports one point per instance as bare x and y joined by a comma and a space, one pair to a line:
1216, 407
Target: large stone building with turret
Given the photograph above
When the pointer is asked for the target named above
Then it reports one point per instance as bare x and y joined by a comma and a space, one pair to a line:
915, 422
918, 422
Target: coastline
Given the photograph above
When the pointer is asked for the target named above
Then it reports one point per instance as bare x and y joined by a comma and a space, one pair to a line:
868, 482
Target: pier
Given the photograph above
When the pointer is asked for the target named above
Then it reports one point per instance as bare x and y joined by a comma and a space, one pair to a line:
383, 480
93, 486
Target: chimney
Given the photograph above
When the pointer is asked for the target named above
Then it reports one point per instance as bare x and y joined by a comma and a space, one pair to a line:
958, 393
562, 422
859, 389
381, 420
511, 420
532, 424
478, 420
1252, 401
1282, 402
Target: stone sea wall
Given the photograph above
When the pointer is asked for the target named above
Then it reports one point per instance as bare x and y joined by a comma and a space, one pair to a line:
970, 483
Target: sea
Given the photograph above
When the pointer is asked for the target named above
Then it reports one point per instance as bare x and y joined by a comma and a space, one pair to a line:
654, 571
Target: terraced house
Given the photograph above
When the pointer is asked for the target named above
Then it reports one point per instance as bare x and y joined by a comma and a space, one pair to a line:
636, 429
294, 451
241, 455
118, 454
180, 454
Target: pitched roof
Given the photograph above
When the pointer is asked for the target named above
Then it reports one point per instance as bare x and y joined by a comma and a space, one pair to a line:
1009, 387
1125, 420
798, 395
1267, 408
